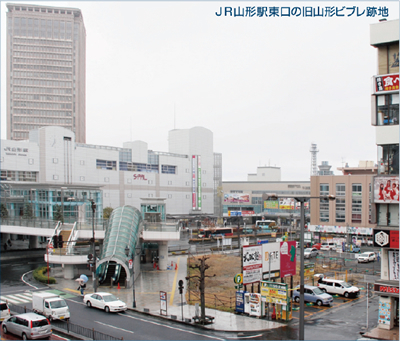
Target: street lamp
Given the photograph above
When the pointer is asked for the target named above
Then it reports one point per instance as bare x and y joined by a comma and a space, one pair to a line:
302, 200
94, 246
133, 274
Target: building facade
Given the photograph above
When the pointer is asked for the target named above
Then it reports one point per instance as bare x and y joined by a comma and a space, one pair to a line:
46, 70
349, 219
247, 199
384, 36
185, 176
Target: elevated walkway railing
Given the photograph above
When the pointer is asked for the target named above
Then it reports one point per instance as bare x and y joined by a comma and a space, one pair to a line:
32, 222
161, 227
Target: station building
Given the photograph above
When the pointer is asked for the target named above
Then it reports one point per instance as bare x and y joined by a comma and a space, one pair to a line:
52, 168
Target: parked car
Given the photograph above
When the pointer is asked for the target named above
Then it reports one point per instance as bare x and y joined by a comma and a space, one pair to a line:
104, 300
328, 246
317, 246
338, 287
366, 257
28, 326
354, 249
5, 311
313, 294
310, 252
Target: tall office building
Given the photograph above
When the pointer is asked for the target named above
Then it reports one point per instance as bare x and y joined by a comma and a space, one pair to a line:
46, 70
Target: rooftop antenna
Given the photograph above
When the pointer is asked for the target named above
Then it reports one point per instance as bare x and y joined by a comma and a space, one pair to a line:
342, 161
174, 116
314, 151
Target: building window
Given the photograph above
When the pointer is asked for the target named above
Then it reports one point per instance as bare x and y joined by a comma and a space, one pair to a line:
82, 178
55, 160
150, 182
169, 182
370, 203
388, 156
30, 161
187, 170
55, 177
82, 162
388, 215
106, 195
150, 195
138, 167
187, 183
106, 165
129, 195
324, 203
204, 184
106, 179
169, 196
387, 109
356, 203
204, 196
129, 181
340, 203
166, 169
187, 196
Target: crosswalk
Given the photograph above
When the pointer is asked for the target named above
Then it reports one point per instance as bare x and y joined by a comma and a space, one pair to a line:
22, 298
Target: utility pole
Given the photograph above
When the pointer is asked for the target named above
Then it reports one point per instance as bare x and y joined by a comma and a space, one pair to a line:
202, 267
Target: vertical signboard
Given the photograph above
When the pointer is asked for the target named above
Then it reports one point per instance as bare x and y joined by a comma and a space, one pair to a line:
270, 260
199, 182
252, 264
288, 258
393, 265
194, 206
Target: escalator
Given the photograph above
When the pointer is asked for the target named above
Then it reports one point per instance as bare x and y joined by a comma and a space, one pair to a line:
112, 272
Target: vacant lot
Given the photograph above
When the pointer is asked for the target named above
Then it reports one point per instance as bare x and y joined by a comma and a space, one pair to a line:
220, 289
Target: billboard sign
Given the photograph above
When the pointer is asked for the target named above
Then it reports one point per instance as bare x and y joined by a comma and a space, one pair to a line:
287, 253
386, 189
275, 292
252, 264
386, 83
271, 260
386, 238
236, 197
286, 203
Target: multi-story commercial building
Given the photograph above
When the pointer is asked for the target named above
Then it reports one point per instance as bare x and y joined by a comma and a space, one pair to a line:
46, 71
385, 117
349, 219
51, 168
248, 198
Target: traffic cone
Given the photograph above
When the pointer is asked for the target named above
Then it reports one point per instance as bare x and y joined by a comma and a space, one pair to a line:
176, 266
172, 263
119, 286
158, 268
154, 265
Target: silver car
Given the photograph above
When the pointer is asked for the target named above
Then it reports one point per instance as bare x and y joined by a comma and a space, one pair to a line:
28, 326
310, 252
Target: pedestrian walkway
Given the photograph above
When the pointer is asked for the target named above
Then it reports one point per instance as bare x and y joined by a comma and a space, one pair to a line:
147, 296
17, 298
383, 334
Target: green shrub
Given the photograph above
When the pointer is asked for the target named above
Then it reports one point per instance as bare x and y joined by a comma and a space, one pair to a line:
40, 274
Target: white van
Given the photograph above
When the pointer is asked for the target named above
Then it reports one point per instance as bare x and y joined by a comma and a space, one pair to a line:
5, 310
328, 246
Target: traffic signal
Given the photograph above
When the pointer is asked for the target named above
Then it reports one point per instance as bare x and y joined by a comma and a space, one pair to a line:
55, 241
60, 241
180, 283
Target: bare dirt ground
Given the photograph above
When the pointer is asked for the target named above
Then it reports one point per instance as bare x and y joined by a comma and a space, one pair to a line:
220, 289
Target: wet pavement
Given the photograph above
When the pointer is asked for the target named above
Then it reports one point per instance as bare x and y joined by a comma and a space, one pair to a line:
147, 296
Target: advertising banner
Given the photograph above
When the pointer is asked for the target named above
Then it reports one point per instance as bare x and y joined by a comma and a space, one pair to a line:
386, 189
386, 238
274, 292
393, 265
236, 198
199, 200
386, 83
271, 257
384, 312
288, 258
252, 264
271, 204
194, 206
286, 203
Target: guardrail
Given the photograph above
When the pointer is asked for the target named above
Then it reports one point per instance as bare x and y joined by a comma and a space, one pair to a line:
67, 326
18, 221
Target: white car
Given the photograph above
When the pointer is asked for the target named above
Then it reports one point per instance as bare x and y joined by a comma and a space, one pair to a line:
338, 287
366, 257
104, 300
328, 246
310, 252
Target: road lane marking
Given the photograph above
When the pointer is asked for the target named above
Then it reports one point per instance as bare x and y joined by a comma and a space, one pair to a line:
170, 327
245, 337
110, 326
171, 300
8, 299
23, 280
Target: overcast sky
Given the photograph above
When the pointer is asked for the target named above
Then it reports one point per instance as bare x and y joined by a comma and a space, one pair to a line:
267, 87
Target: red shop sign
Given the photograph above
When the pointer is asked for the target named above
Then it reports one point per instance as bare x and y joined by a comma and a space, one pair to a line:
386, 288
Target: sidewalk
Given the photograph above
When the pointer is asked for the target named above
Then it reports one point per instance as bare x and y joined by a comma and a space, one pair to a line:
147, 293
383, 334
